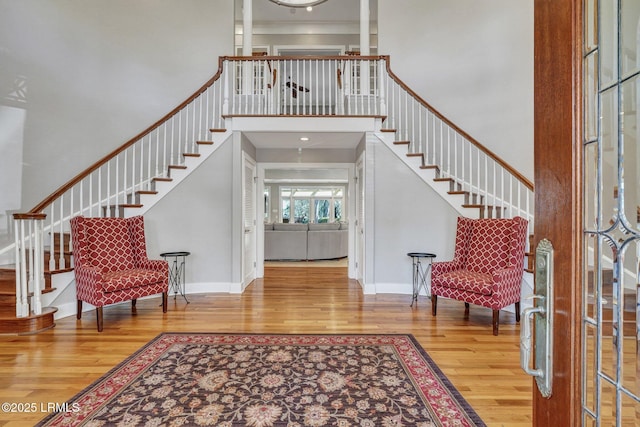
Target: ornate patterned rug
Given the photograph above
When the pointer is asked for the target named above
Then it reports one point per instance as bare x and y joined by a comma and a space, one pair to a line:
200, 379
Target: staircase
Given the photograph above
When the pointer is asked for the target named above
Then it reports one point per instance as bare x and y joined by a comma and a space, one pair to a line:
59, 253
135, 176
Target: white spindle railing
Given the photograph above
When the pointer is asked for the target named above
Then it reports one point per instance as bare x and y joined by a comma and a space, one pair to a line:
257, 86
473, 168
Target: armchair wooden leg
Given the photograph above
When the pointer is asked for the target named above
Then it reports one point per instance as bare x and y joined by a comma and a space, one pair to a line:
133, 306
165, 297
434, 304
496, 319
99, 318
518, 311
79, 313
466, 310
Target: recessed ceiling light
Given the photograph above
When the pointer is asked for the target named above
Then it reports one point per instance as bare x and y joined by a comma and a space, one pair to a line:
309, 8
304, 138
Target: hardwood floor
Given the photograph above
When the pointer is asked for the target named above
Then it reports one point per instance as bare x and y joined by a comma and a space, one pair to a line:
57, 364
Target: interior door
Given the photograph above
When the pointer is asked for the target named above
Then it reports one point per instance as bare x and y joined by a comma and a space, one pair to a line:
249, 220
587, 162
359, 222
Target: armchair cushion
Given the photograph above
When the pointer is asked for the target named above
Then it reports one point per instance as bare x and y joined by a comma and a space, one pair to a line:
489, 245
479, 283
119, 280
109, 244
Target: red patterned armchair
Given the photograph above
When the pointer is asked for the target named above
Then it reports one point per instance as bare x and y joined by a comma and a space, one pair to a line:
487, 266
111, 264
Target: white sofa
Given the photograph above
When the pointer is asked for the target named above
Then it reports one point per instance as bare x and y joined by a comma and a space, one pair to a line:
305, 241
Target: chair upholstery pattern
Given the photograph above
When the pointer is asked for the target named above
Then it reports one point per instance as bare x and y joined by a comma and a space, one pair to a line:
488, 264
111, 264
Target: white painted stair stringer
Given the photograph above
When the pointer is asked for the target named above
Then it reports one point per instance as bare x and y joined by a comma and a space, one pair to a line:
178, 175
427, 175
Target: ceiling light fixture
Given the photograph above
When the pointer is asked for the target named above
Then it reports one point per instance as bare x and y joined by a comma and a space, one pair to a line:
298, 3
304, 138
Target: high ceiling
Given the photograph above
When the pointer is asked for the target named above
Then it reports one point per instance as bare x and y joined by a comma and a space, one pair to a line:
334, 11
269, 18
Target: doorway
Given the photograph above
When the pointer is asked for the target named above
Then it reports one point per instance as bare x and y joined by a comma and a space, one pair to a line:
306, 203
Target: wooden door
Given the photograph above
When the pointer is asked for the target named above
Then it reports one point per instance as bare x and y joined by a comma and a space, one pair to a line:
587, 163
558, 204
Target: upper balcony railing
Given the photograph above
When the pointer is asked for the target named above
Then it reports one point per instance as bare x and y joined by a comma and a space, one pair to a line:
255, 86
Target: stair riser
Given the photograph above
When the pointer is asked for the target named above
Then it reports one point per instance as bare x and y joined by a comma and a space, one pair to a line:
47, 258
8, 283
28, 325
7, 303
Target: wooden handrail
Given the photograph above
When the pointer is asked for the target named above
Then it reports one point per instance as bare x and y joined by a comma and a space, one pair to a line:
464, 134
60, 191
31, 215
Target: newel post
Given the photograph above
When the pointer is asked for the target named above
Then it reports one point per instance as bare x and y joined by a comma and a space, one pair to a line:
381, 89
225, 101
29, 260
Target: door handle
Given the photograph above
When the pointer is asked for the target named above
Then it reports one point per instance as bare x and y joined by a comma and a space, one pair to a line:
525, 341
542, 316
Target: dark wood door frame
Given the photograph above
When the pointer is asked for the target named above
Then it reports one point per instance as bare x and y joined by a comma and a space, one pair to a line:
558, 194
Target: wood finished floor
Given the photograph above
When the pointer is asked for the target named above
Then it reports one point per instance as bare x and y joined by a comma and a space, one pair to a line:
57, 364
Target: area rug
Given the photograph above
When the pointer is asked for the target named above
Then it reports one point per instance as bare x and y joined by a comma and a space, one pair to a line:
262, 380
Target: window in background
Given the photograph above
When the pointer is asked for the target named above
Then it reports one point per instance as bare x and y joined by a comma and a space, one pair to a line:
316, 204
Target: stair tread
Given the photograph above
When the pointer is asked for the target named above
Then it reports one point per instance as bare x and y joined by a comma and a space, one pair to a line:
205, 142
46, 311
162, 178
177, 167
217, 130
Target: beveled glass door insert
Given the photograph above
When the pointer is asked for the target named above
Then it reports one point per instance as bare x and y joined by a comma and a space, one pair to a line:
611, 177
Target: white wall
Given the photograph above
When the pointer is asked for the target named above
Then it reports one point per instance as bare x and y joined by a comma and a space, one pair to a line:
98, 72
195, 217
472, 61
409, 216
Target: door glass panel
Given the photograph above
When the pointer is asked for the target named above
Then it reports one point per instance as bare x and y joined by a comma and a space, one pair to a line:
608, 42
630, 16
591, 96
591, 199
609, 149
590, 26
611, 203
589, 369
630, 152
